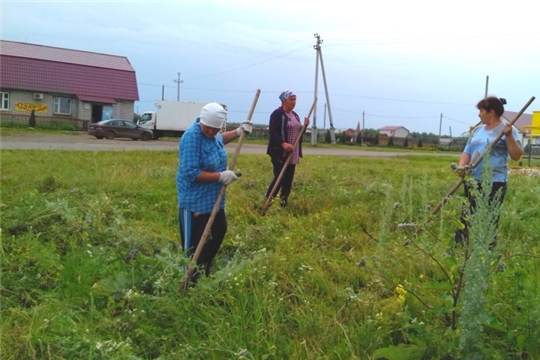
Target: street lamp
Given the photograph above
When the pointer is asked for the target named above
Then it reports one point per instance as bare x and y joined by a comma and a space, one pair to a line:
178, 91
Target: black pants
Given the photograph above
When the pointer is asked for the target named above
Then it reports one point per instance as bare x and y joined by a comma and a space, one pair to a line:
463, 235
191, 229
285, 185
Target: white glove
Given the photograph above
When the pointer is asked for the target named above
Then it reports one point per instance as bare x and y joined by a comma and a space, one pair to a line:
246, 126
226, 177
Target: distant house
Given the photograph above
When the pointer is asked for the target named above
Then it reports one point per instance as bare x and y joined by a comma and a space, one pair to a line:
524, 120
395, 131
64, 84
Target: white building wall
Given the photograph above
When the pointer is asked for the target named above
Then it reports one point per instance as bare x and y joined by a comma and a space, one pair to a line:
80, 110
123, 109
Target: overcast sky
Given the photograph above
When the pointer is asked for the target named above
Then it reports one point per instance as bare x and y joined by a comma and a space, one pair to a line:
398, 62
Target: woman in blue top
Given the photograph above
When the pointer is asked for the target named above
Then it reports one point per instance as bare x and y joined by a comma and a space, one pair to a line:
202, 172
491, 111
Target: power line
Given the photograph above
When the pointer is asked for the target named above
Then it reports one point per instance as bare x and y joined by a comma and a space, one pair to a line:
309, 92
255, 57
426, 40
247, 66
459, 121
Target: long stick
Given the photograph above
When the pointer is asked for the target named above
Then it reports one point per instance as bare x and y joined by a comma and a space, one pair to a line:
184, 284
278, 180
477, 161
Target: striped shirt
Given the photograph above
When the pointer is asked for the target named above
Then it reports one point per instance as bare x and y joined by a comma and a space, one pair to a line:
198, 153
293, 130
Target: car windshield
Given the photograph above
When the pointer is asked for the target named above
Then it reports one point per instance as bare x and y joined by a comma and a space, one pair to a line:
145, 118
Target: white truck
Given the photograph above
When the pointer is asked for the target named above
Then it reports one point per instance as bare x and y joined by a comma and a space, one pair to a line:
171, 118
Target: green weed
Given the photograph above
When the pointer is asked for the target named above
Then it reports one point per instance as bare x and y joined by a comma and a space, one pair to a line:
91, 263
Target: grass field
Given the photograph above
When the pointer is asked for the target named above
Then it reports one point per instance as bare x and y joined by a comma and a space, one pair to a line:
91, 264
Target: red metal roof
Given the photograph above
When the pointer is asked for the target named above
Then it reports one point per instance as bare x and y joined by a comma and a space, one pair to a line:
391, 128
55, 54
44, 69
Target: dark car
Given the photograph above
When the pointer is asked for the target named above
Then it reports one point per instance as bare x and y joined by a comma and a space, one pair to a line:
116, 128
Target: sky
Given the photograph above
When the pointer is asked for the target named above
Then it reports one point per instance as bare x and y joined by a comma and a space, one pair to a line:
419, 64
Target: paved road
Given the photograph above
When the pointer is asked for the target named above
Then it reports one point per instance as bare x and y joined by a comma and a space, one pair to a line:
83, 141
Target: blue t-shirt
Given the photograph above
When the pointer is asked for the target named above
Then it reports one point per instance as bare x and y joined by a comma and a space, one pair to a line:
197, 153
477, 144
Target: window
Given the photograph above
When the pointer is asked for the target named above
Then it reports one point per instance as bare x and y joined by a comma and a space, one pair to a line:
145, 118
5, 101
62, 106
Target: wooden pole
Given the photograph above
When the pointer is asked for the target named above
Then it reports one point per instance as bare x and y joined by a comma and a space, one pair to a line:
184, 284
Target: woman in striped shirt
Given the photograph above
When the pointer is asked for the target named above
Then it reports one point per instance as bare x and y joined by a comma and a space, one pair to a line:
284, 128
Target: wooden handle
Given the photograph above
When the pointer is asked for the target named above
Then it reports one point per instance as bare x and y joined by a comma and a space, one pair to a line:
477, 161
184, 284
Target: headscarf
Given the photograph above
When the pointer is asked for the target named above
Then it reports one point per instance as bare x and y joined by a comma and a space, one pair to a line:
213, 115
285, 95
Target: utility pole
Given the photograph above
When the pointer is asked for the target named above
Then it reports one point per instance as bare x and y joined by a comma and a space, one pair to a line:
363, 125
319, 51
324, 123
440, 127
314, 125
487, 82
178, 91
162, 92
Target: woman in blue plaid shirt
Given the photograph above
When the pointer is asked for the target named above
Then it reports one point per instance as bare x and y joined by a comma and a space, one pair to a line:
202, 172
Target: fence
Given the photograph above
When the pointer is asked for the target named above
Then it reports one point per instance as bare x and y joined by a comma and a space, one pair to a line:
44, 121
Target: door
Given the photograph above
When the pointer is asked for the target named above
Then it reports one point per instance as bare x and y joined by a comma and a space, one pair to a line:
107, 112
97, 111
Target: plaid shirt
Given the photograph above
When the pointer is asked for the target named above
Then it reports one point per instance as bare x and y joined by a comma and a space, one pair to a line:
293, 130
198, 153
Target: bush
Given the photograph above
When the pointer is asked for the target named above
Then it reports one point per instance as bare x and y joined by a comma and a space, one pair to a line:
420, 143
391, 141
406, 142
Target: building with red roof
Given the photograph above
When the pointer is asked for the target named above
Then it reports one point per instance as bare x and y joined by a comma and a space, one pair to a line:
64, 84
395, 131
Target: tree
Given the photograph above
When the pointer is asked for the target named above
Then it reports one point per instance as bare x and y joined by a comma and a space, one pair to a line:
406, 142
32, 120
420, 143
359, 139
376, 139
391, 141
327, 137
136, 117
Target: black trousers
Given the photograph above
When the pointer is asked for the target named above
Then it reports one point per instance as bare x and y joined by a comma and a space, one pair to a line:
191, 229
463, 235
285, 185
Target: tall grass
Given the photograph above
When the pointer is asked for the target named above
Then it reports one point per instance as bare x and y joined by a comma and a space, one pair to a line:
91, 263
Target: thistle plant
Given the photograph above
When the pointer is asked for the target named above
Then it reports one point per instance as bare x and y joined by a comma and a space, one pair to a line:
476, 270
